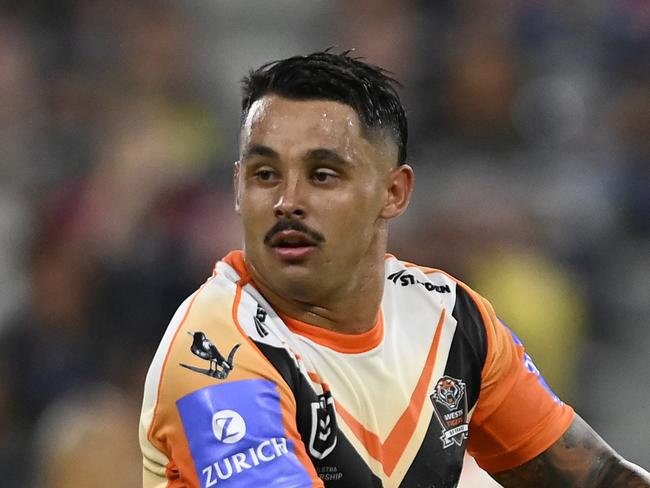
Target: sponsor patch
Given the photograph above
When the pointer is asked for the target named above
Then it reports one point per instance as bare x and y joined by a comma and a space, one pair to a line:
237, 438
450, 405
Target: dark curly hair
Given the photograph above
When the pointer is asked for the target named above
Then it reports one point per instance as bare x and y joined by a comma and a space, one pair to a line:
369, 90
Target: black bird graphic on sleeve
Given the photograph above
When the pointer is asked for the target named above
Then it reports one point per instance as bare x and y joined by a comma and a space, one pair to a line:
202, 347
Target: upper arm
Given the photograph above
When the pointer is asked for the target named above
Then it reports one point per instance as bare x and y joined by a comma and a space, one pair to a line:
580, 458
517, 416
525, 436
198, 429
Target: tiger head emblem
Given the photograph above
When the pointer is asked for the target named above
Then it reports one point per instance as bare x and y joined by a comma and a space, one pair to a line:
449, 392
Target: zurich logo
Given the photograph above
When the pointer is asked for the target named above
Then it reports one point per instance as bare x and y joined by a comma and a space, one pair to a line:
228, 426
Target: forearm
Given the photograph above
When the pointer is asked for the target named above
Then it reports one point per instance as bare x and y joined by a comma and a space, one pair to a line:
621, 473
616, 474
579, 459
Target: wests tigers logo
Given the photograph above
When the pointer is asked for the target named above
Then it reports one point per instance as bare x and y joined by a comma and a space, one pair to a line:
449, 392
450, 405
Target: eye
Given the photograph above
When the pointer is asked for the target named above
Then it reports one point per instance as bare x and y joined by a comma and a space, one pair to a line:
265, 174
323, 175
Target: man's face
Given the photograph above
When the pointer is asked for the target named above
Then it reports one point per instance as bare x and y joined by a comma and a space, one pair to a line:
312, 192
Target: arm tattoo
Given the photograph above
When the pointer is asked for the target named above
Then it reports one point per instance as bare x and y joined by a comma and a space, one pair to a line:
580, 458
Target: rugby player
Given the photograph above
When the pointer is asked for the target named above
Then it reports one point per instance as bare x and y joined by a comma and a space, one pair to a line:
312, 358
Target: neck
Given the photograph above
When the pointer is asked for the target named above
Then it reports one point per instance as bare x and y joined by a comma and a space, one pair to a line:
351, 307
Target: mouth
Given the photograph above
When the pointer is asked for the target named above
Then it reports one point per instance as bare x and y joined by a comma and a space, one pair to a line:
291, 245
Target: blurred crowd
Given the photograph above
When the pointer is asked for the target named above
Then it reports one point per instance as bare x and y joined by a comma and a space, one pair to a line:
529, 136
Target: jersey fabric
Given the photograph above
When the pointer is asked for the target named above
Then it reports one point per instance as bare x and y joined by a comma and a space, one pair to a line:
295, 405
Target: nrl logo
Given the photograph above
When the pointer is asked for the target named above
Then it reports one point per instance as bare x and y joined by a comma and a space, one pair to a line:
220, 367
450, 405
322, 440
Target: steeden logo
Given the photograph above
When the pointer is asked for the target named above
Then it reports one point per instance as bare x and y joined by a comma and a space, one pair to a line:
260, 317
405, 279
228, 426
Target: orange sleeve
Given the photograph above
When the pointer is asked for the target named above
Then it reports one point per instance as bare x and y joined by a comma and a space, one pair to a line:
517, 416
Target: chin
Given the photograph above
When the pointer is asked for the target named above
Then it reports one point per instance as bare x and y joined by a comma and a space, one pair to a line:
296, 270
298, 279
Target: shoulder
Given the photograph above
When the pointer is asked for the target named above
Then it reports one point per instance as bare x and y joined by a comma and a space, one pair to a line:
469, 309
208, 372
208, 307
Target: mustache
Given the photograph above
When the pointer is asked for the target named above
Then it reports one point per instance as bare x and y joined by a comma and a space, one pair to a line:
284, 224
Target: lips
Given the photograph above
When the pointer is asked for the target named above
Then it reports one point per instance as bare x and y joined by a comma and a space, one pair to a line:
292, 245
291, 239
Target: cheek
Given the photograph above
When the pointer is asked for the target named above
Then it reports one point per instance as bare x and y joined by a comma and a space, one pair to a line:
254, 215
255, 202
358, 194
353, 212
368, 201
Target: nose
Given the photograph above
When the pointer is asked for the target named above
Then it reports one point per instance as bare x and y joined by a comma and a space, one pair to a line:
290, 202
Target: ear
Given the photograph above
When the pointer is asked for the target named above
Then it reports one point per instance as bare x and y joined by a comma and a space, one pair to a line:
399, 186
236, 184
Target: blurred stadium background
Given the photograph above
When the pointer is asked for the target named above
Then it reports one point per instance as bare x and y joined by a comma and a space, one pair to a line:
530, 138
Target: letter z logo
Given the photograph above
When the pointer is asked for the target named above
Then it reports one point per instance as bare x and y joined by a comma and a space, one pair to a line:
228, 426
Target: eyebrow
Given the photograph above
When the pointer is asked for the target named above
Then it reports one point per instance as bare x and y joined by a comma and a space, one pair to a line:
327, 155
320, 154
260, 150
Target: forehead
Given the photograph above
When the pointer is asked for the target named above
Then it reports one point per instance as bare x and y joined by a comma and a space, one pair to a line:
282, 123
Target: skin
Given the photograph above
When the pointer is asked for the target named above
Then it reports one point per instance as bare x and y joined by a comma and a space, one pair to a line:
581, 459
310, 162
